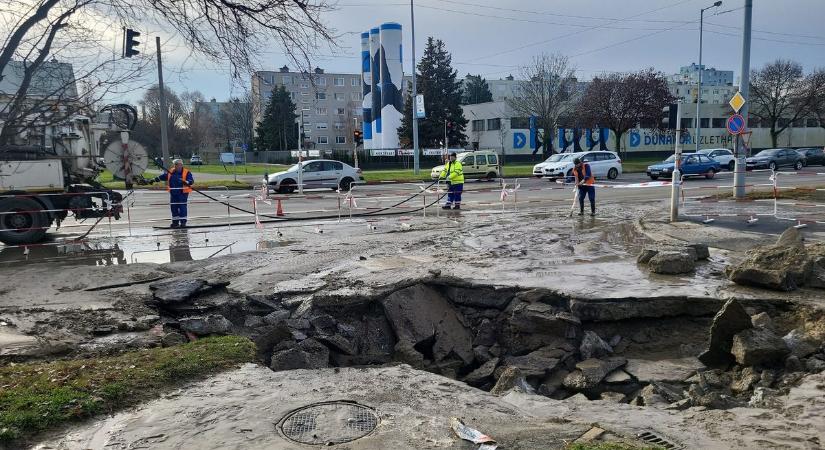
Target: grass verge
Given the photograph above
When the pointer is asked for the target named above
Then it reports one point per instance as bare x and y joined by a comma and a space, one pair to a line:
244, 169
39, 396
638, 165
800, 193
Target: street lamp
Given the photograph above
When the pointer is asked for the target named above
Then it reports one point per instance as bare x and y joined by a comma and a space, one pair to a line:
699, 84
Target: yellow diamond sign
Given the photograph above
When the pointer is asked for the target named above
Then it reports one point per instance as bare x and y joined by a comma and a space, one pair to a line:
737, 102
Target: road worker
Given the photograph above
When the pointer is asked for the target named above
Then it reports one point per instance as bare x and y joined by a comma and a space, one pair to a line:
179, 183
453, 173
585, 182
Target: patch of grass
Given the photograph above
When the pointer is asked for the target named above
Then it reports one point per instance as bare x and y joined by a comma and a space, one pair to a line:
638, 165
201, 185
407, 175
800, 193
607, 446
39, 396
243, 169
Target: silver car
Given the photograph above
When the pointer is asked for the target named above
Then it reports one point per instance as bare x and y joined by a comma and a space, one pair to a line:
316, 174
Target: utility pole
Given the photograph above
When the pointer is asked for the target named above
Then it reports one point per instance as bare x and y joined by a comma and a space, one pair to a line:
164, 112
416, 160
355, 144
701, 72
744, 89
676, 181
301, 154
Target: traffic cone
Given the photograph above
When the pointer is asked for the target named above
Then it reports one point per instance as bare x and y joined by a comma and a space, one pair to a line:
280, 211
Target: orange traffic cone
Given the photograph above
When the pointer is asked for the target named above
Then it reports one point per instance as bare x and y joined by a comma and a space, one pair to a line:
280, 211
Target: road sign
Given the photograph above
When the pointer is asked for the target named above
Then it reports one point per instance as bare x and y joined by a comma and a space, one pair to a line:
736, 124
519, 139
420, 112
737, 102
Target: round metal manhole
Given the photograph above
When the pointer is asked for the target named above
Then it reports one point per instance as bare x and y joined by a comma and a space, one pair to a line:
329, 423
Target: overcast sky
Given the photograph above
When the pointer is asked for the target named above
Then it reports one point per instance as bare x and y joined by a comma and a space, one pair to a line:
495, 37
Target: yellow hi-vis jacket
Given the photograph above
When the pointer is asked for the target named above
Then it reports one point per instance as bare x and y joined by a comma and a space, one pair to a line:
453, 172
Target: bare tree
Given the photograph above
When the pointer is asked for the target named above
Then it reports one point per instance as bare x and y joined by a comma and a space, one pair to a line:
547, 92
622, 101
780, 95
817, 85
236, 119
188, 100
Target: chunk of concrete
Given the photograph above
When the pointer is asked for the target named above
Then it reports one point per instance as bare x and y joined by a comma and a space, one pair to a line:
591, 372
731, 319
485, 334
784, 266
205, 325
511, 379
419, 313
745, 379
618, 377
537, 363
307, 354
664, 370
800, 344
758, 347
541, 318
593, 346
483, 373
672, 262
480, 297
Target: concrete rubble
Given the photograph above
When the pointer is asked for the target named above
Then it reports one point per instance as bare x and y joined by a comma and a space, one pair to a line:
534, 349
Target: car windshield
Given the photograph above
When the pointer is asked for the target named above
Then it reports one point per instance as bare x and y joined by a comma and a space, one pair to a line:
670, 159
769, 152
293, 168
556, 158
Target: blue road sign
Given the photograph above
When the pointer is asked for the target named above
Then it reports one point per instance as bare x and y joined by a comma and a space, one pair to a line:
635, 139
519, 139
736, 124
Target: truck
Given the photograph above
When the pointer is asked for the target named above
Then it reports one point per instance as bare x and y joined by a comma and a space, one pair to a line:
42, 185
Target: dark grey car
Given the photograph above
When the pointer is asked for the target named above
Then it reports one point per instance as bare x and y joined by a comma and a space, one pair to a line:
774, 158
812, 156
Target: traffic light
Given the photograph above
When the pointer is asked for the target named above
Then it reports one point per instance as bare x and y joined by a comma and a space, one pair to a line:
669, 116
131, 42
358, 137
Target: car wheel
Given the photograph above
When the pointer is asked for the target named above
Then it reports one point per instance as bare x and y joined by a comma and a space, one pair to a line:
654, 177
710, 174
22, 221
798, 165
772, 166
491, 176
613, 173
287, 186
345, 184
732, 166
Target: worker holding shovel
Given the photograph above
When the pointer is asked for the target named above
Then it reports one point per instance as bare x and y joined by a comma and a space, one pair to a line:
585, 183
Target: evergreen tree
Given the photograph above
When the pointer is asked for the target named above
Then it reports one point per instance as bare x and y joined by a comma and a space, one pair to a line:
436, 80
277, 130
476, 90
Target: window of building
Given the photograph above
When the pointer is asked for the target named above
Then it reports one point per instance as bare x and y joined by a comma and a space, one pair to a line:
321, 96
322, 140
356, 81
321, 111
519, 122
358, 111
321, 125
287, 80
493, 124
687, 122
704, 123
356, 96
812, 123
338, 81
340, 111
784, 122
340, 97
305, 100
305, 108
798, 123
322, 81
305, 93
339, 125
716, 91
340, 139
719, 123
304, 85
478, 125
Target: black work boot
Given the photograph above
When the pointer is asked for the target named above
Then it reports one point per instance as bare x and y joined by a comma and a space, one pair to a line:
457, 206
174, 224
581, 212
447, 206
593, 211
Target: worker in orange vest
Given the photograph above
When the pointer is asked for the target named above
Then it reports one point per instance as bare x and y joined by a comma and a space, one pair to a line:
585, 181
179, 183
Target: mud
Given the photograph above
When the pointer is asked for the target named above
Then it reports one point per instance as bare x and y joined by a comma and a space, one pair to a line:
518, 292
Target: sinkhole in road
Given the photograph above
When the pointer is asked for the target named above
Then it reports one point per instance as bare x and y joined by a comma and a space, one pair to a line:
669, 352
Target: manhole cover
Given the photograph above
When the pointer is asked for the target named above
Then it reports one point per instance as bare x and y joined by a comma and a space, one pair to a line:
329, 423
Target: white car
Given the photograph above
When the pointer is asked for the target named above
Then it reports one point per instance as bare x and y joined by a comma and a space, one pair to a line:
603, 164
725, 157
317, 174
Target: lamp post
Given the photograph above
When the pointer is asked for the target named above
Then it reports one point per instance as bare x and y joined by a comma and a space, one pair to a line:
701, 70
416, 160
355, 144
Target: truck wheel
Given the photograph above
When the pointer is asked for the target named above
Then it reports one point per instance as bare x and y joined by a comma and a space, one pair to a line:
22, 221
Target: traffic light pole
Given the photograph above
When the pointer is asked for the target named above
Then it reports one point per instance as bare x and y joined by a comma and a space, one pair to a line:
676, 181
164, 113
416, 160
744, 89
301, 155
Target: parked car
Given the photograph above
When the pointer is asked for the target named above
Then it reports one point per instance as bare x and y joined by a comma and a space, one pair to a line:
195, 160
812, 156
725, 157
603, 164
691, 165
774, 158
483, 164
316, 174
